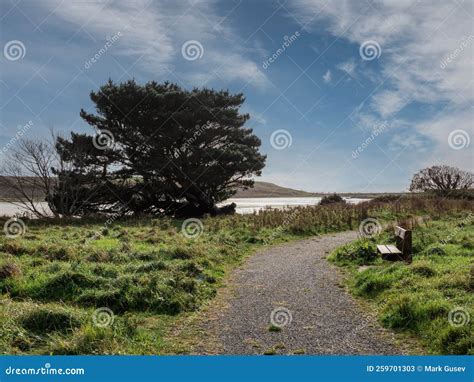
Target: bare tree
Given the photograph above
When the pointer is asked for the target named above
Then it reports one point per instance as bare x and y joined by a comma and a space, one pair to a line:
28, 174
442, 179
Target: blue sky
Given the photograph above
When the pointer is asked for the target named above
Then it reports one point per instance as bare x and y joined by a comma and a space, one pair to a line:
407, 103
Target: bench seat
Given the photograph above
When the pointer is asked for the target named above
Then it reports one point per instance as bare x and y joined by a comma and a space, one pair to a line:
389, 252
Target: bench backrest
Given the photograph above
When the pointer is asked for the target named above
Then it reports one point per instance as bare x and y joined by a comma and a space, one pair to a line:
404, 243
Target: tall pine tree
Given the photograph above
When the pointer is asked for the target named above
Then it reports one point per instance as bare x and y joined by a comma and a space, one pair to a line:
170, 150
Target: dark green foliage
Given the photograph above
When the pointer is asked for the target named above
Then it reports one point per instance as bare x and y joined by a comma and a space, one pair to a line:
361, 252
170, 151
329, 199
44, 320
9, 270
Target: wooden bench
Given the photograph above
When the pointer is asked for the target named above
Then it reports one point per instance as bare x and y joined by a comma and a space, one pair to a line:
402, 250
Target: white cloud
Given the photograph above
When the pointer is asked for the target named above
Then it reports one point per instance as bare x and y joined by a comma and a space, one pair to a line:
156, 31
327, 76
348, 67
415, 37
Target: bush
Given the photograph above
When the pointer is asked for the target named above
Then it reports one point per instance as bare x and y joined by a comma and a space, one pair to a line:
45, 320
423, 268
387, 198
9, 270
361, 252
329, 199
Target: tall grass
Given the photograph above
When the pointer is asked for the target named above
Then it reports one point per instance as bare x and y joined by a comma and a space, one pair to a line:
431, 299
55, 276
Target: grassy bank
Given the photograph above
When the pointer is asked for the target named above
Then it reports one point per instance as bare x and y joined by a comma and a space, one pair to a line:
118, 287
431, 299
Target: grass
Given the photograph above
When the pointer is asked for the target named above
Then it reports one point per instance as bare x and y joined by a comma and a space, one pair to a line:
58, 276
431, 299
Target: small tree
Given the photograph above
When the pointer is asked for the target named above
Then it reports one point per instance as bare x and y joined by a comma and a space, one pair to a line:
329, 199
442, 179
31, 172
27, 172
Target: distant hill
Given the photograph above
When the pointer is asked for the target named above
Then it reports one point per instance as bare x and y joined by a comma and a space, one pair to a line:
266, 190
260, 190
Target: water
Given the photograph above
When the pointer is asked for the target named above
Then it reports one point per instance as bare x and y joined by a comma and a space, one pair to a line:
250, 205
244, 205
9, 209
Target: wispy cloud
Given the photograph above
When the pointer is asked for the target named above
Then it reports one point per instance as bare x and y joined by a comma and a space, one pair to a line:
154, 32
415, 38
348, 67
327, 76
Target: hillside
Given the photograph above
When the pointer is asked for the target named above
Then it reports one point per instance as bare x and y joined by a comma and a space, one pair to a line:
260, 190
266, 190
271, 190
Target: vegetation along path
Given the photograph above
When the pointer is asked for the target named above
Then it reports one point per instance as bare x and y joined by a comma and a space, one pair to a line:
312, 312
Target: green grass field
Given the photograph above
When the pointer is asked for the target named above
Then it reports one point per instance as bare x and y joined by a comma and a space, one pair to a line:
431, 299
65, 289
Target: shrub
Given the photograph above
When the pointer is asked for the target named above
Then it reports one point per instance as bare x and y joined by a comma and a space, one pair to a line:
400, 313
423, 269
44, 320
361, 252
329, 199
387, 198
457, 340
9, 270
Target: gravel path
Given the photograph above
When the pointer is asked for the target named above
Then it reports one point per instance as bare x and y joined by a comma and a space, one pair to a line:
294, 278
